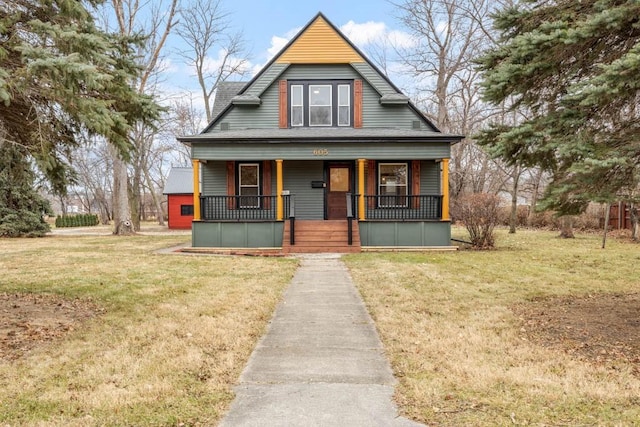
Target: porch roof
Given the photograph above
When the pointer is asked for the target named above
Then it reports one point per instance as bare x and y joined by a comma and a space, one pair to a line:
321, 134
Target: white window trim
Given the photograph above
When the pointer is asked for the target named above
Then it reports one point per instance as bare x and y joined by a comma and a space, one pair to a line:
348, 104
311, 86
405, 185
301, 106
241, 186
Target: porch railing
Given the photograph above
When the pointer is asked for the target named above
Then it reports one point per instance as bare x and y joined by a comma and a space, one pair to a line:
402, 208
242, 208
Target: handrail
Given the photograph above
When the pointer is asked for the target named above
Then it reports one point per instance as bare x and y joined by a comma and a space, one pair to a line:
403, 207
240, 208
349, 219
292, 220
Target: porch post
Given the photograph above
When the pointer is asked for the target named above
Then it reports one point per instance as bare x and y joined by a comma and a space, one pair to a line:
361, 213
445, 189
196, 190
279, 188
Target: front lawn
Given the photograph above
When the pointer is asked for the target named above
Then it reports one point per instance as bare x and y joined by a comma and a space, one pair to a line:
104, 331
541, 331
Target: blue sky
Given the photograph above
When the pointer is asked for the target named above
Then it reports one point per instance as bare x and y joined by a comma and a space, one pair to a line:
261, 20
268, 25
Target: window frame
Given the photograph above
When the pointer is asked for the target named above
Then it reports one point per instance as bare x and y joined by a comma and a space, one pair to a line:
186, 210
407, 184
306, 85
311, 87
292, 105
240, 186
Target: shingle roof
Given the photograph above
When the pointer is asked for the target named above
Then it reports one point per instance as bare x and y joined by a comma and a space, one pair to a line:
321, 134
224, 93
179, 181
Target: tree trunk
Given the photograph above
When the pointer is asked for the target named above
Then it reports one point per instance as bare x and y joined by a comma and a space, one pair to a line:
135, 199
156, 200
607, 213
534, 198
633, 216
121, 211
566, 227
513, 218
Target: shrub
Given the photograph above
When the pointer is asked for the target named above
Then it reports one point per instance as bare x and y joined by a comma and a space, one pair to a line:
22, 223
480, 214
80, 220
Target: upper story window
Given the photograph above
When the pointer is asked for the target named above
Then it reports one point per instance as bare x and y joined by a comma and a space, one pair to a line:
320, 103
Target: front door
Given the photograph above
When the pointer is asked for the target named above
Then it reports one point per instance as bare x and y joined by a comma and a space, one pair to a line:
339, 184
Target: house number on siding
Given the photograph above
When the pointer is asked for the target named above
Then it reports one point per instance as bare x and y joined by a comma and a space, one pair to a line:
321, 152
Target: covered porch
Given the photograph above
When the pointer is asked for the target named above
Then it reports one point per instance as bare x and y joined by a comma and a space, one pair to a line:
296, 196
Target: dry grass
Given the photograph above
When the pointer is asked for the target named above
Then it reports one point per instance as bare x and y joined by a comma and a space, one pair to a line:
461, 354
174, 336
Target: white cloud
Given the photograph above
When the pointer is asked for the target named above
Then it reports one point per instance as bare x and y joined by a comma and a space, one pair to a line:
364, 34
211, 65
377, 33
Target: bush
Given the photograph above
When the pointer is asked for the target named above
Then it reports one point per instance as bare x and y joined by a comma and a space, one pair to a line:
480, 213
80, 220
22, 223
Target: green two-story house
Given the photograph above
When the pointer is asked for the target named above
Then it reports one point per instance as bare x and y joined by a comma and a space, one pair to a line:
319, 152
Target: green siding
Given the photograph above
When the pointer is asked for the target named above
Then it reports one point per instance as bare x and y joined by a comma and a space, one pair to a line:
266, 115
419, 233
266, 79
297, 177
372, 77
237, 234
335, 151
429, 177
214, 178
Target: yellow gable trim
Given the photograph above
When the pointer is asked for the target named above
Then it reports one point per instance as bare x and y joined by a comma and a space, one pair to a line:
320, 44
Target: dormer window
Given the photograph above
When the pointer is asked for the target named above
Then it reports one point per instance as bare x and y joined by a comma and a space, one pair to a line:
320, 103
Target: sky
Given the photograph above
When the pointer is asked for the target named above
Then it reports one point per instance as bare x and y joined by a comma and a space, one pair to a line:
268, 25
266, 21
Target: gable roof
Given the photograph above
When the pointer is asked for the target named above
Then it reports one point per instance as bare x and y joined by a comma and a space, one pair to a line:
224, 94
179, 181
330, 45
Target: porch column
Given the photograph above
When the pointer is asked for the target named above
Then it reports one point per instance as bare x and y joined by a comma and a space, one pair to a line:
445, 189
196, 189
279, 188
361, 213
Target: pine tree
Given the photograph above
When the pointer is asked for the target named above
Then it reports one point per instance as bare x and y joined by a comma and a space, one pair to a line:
574, 66
21, 207
63, 79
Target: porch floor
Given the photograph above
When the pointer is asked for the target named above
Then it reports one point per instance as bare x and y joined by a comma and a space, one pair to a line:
317, 236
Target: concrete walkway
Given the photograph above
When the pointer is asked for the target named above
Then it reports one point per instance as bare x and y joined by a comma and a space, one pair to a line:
321, 362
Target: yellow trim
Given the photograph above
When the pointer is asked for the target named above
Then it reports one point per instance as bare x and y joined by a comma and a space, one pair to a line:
196, 190
279, 188
320, 44
361, 213
445, 189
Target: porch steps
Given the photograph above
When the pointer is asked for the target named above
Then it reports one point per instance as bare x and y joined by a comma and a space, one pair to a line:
320, 236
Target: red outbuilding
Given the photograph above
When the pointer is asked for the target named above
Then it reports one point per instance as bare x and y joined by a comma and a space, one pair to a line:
179, 191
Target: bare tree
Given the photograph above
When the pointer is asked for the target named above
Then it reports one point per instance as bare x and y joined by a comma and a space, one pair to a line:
156, 21
216, 52
449, 34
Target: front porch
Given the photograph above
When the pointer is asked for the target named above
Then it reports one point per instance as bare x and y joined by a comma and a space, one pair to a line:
371, 221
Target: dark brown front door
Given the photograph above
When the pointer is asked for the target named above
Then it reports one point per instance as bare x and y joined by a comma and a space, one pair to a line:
339, 184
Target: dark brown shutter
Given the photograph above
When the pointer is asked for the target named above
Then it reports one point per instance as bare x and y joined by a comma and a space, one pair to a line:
357, 103
415, 183
284, 122
371, 183
266, 183
231, 183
